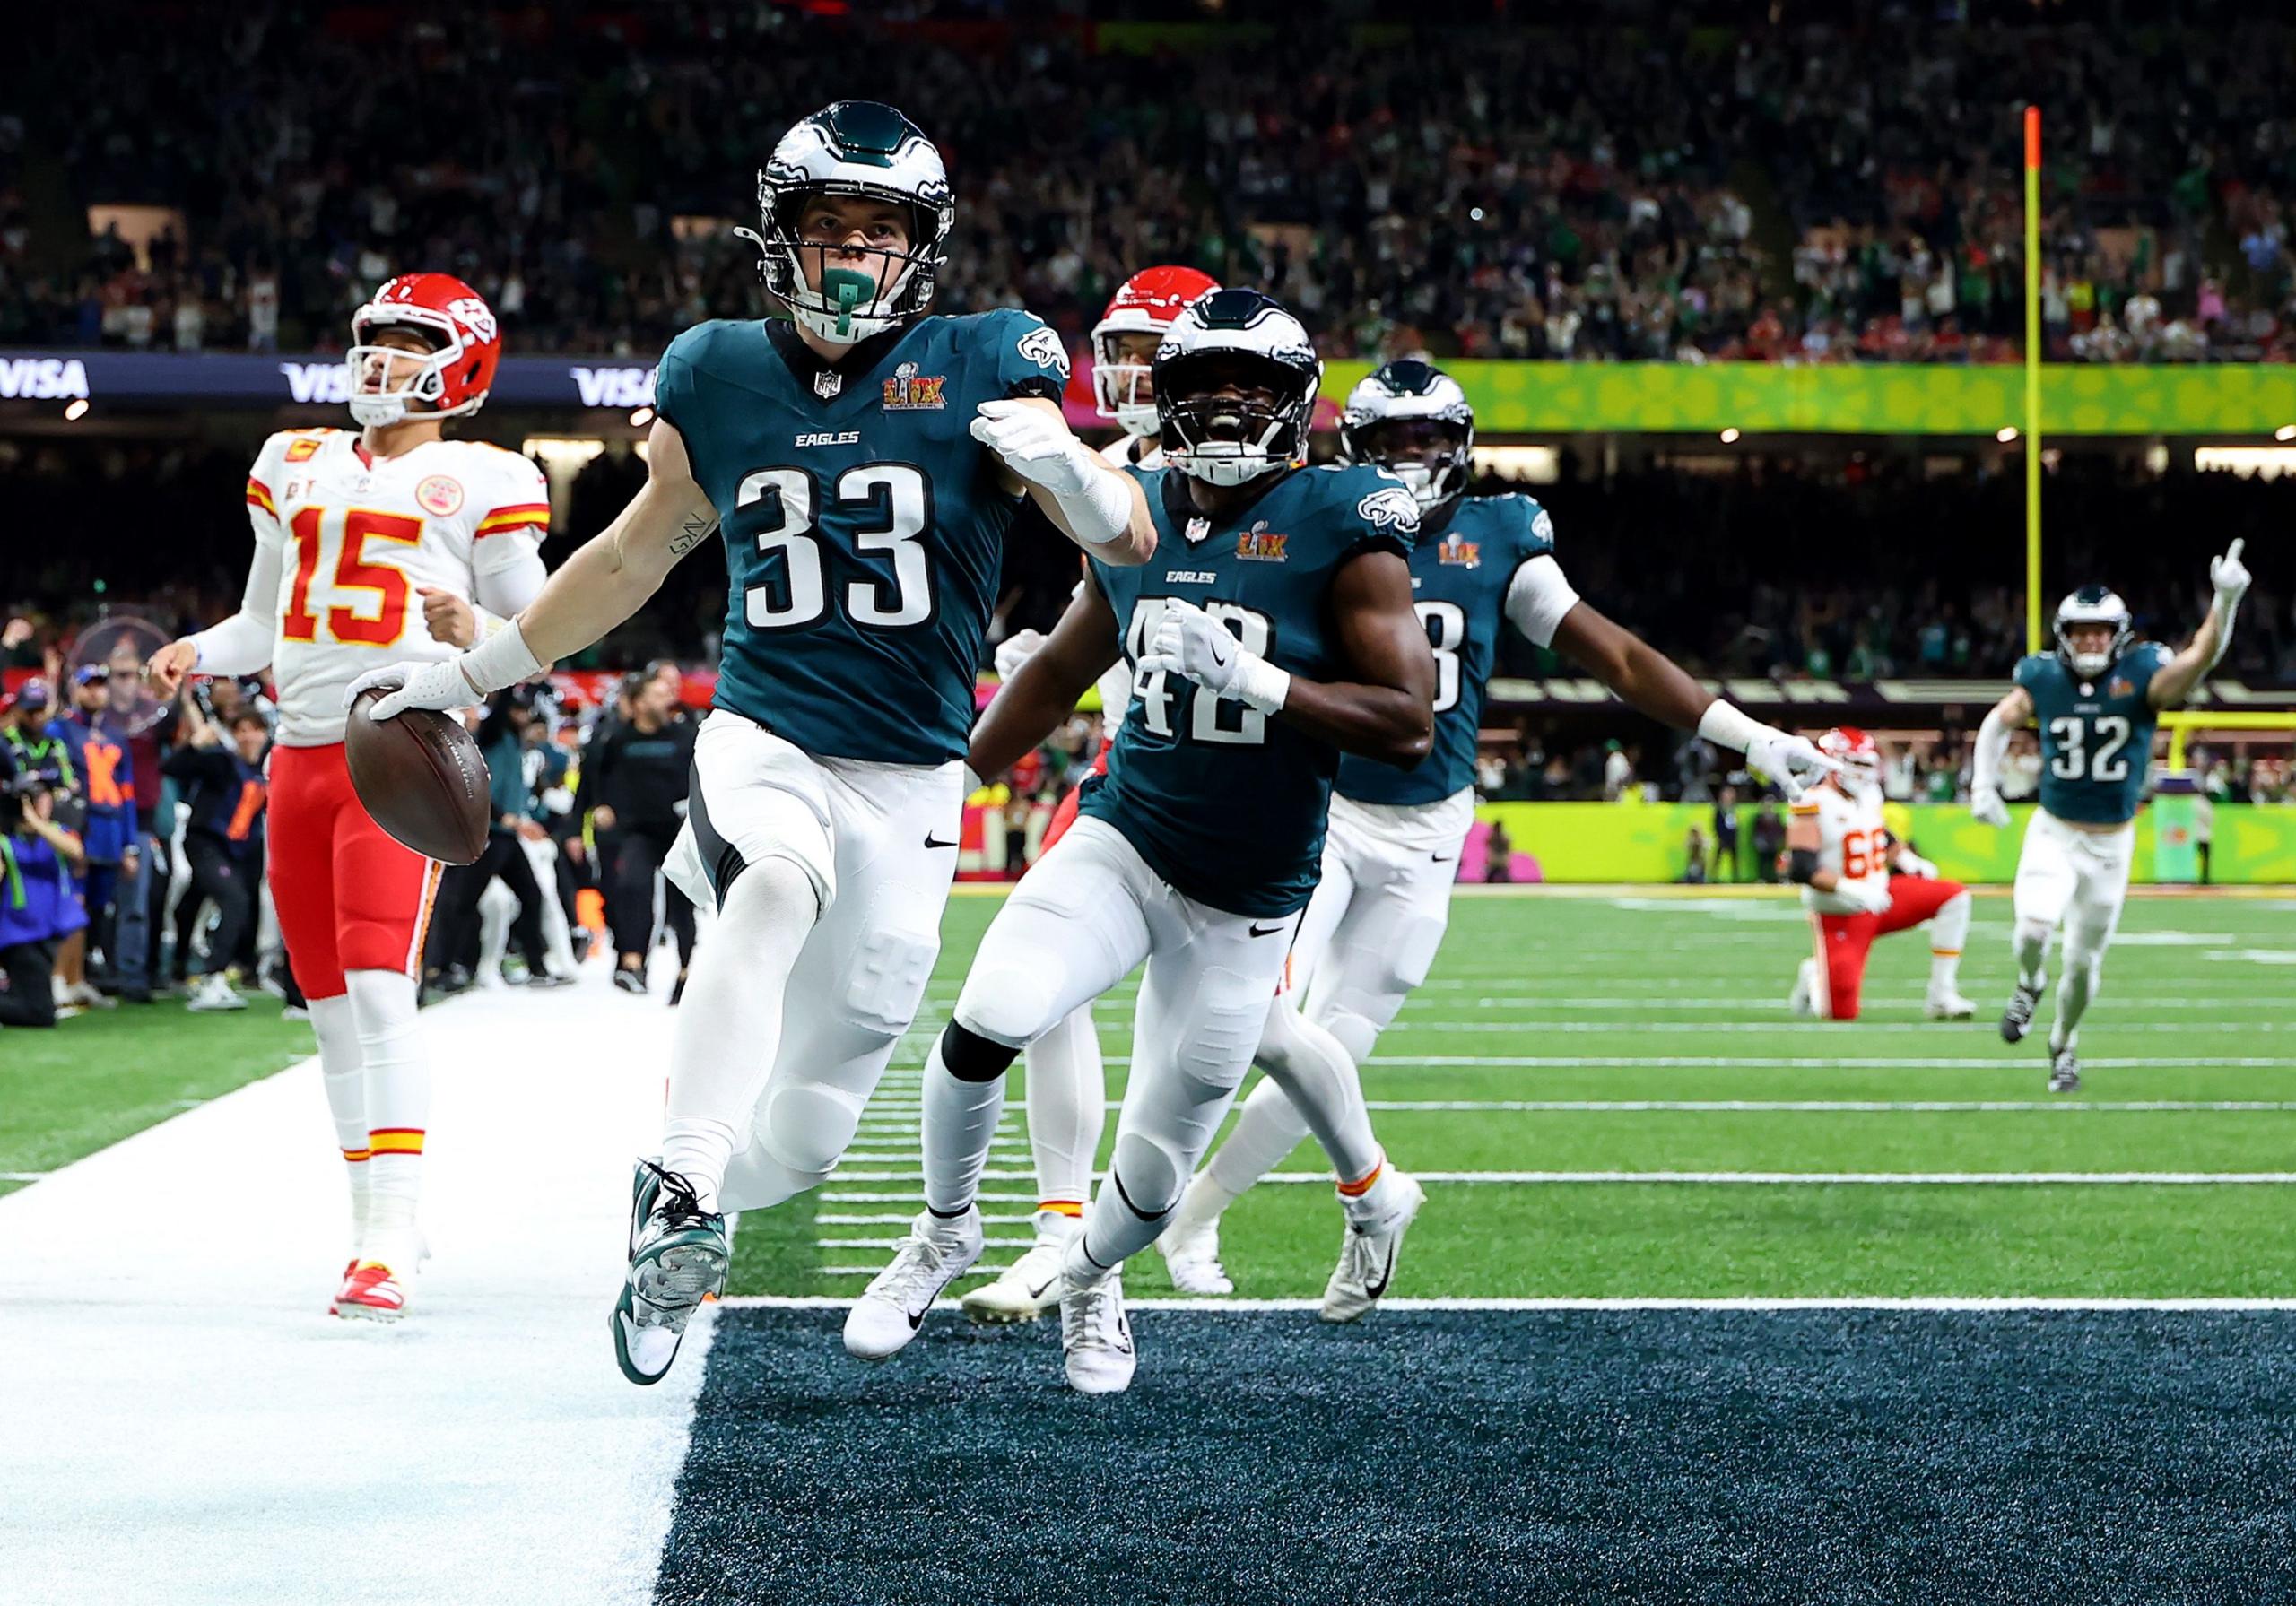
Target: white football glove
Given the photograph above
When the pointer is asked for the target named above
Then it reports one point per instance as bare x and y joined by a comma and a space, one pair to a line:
2230, 575
1036, 446
1191, 643
1986, 808
1792, 761
1872, 896
439, 685
1016, 650
1913, 863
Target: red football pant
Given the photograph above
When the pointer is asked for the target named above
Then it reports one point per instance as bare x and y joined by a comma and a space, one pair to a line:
1844, 940
1064, 815
349, 896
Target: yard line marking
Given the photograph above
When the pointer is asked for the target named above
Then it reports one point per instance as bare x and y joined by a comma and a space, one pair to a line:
908, 1172
1697, 1061
22, 1176
1756, 1302
1536, 1024
890, 1243
849, 1196
1846, 1178
1837, 1106
873, 1271
893, 1219
1568, 1003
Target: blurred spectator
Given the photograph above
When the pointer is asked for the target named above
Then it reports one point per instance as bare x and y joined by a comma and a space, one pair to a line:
106, 794
1769, 840
633, 784
455, 945
1499, 854
1726, 832
39, 909
226, 795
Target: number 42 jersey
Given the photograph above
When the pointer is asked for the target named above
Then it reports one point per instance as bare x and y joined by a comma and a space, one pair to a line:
2096, 735
862, 523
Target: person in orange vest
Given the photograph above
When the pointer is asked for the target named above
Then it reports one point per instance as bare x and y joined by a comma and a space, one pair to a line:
105, 769
224, 788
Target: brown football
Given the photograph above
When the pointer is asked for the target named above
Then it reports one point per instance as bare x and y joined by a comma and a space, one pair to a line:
421, 776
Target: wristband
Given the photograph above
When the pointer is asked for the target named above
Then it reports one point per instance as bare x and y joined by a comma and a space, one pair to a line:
1100, 510
502, 659
1260, 685
1727, 726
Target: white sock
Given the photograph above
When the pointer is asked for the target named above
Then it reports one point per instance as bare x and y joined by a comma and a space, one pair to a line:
1268, 1127
2073, 995
728, 1033
1320, 1082
345, 1076
1948, 934
959, 1123
2030, 941
398, 1109
1067, 1098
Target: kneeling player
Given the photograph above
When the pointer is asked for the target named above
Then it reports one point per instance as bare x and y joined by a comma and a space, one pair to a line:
1843, 857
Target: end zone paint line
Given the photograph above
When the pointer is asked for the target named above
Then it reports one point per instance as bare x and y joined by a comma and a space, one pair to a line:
1915, 1302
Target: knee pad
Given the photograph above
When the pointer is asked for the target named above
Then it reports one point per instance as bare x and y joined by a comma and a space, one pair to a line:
1147, 1175
1412, 951
887, 981
970, 1057
807, 1127
1356, 1033
1009, 1003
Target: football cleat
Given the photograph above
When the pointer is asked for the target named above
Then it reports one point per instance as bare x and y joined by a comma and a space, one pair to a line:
370, 1292
930, 1256
1096, 1337
1191, 1252
213, 990
630, 980
678, 1255
2063, 1071
2017, 1019
1368, 1252
1031, 1286
1949, 1006
334, 1305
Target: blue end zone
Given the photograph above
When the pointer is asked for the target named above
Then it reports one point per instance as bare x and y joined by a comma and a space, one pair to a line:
1662, 1455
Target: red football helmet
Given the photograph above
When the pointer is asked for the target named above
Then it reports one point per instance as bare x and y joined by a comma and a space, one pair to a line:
453, 379
1145, 304
1860, 760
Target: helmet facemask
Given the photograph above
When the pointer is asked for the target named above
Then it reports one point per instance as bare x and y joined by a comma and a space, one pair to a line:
2099, 609
1432, 456
373, 399
1124, 387
1230, 416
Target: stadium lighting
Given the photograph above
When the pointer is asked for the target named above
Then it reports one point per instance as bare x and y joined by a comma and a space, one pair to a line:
2006, 434
75, 409
1730, 436
640, 417
2285, 432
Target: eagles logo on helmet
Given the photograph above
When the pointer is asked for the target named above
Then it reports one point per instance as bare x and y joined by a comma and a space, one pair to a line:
451, 379
1414, 421
1236, 380
1144, 305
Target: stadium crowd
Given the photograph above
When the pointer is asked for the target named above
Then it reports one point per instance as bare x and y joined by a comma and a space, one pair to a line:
1840, 192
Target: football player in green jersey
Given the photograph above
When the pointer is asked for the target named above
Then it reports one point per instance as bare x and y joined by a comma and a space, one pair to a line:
2096, 699
862, 461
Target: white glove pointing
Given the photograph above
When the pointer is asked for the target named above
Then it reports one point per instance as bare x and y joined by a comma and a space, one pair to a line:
1035, 444
1986, 808
1016, 650
1791, 761
1872, 895
439, 685
2230, 575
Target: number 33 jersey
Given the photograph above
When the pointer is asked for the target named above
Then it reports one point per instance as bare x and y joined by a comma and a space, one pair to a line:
2096, 735
355, 536
862, 523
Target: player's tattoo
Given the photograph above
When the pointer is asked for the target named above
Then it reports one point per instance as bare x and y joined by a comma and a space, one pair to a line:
697, 528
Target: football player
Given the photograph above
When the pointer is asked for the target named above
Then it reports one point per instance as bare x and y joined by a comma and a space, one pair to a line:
1065, 1087
2097, 699
864, 462
1273, 628
1841, 856
369, 548
1482, 565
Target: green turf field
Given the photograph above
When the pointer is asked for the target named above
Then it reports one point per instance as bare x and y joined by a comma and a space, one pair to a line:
1576, 1037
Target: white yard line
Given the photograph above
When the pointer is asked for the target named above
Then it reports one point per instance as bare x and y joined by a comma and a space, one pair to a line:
1834, 1107
1845, 1178
189, 1425
1945, 1302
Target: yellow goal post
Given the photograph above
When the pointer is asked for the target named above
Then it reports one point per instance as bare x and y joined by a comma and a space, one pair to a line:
2177, 722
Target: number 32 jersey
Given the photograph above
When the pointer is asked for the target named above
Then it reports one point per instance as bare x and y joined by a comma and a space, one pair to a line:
2096, 735
356, 536
862, 523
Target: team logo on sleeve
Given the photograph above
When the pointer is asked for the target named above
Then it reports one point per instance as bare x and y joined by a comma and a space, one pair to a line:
441, 494
1462, 554
1041, 346
1543, 527
303, 450
1389, 507
1260, 544
909, 392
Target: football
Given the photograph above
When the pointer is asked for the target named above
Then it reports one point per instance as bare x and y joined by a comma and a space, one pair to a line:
420, 776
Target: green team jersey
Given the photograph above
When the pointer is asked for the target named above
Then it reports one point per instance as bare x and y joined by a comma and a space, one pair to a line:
1225, 803
2096, 735
863, 524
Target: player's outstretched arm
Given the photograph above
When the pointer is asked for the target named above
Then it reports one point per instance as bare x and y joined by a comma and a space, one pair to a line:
2174, 681
2012, 711
1387, 713
1100, 507
1043, 691
605, 582
239, 644
1650, 682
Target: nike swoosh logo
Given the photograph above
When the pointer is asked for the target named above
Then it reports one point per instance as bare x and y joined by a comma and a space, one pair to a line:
1038, 1292
930, 843
1265, 932
1442, 858
1386, 1275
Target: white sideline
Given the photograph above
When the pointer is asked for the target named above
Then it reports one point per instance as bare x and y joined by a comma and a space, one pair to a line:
187, 1424
1945, 1302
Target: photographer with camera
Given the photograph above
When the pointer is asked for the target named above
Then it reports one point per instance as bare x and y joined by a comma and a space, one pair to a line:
39, 907
224, 788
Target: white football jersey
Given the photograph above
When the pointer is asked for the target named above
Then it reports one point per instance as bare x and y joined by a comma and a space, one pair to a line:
356, 538
1851, 843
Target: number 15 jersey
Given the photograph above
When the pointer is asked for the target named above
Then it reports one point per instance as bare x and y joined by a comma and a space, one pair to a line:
2096, 735
356, 536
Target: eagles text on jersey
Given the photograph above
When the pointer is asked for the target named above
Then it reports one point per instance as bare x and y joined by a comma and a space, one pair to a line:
2096, 735
1226, 804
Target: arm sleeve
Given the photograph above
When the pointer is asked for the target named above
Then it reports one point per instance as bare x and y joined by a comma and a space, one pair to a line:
1538, 597
511, 530
1026, 356
506, 591
1991, 742
242, 644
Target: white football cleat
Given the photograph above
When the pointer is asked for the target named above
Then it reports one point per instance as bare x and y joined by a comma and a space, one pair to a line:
1031, 1286
1096, 1337
1191, 1252
213, 990
932, 1254
1802, 1001
1375, 1224
1948, 1006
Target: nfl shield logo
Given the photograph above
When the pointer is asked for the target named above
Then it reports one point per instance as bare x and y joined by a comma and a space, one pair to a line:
1198, 529
826, 384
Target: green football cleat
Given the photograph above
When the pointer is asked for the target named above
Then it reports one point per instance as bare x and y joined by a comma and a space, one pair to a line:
678, 1255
